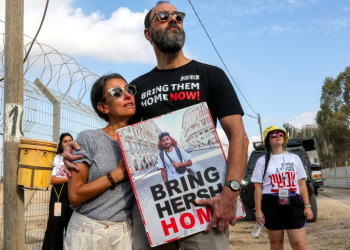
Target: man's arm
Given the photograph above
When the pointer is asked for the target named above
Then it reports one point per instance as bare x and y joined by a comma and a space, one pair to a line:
162, 171
224, 205
183, 164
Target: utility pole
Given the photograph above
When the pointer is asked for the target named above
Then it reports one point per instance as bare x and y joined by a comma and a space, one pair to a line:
14, 236
261, 133
259, 121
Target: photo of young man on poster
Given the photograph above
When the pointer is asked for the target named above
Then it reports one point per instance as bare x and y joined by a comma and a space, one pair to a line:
173, 161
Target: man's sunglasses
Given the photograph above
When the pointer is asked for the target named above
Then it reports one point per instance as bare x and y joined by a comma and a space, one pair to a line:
274, 135
164, 16
119, 92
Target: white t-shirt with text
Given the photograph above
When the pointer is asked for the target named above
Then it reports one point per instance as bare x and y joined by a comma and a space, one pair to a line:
170, 170
284, 171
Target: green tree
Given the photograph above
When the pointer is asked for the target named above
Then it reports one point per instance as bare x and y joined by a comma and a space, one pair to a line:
332, 128
323, 143
334, 116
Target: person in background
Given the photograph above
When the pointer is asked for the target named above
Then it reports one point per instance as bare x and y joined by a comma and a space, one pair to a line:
101, 192
281, 195
58, 222
137, 169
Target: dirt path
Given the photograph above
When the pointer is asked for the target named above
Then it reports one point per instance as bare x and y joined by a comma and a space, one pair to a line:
330, 231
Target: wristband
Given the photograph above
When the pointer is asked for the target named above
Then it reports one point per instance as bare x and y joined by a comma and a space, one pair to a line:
307, 206
110, 178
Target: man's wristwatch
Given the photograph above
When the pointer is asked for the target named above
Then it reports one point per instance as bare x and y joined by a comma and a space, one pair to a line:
234, 185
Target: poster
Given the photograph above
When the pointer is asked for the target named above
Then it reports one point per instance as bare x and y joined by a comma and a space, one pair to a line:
173, 160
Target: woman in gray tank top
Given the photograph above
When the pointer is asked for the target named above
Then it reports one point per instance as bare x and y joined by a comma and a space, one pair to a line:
100, 193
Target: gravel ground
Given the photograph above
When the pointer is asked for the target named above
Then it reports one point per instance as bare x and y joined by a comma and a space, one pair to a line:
330, 231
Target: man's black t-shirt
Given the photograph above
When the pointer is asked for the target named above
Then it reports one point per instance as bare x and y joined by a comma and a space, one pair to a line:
162, 91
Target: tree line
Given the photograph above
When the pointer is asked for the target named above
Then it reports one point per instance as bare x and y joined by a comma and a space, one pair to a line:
332, 128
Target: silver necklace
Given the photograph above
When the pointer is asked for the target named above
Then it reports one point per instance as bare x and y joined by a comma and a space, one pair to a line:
283, 167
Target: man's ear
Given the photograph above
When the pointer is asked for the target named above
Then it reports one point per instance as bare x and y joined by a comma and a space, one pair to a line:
147, 34
102, 108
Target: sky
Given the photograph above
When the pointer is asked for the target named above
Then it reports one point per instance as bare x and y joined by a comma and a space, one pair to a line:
277, 51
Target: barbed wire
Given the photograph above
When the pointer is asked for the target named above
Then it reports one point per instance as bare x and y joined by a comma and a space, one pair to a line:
58, 71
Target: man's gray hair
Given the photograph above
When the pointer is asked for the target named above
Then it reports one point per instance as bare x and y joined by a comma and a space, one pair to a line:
147, 21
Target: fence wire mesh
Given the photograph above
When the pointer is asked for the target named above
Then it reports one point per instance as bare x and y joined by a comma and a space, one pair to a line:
38, 125
68, 82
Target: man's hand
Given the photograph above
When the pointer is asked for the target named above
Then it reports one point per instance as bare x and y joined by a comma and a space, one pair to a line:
184, 164
68, 158
176, 164
224, 207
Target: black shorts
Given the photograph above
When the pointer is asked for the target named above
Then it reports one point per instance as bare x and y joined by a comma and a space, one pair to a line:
279, 217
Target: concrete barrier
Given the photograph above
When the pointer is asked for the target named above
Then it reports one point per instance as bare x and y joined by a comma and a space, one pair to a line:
337, 177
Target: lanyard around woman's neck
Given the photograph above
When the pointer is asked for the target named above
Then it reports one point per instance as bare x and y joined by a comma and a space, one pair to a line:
58, 195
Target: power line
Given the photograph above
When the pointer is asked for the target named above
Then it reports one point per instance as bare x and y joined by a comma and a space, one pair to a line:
221, 58
36, 35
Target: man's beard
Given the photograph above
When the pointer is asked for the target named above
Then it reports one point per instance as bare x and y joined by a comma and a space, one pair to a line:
168, 147
169, 41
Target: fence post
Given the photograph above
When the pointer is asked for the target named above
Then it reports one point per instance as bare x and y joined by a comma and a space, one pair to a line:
29, 200
56, 108
14, 230
347, 174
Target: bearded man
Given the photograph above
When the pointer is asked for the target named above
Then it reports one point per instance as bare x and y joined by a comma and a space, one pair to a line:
176, 83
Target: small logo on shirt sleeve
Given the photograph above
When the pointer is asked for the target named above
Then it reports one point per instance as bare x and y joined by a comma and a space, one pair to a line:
189, 77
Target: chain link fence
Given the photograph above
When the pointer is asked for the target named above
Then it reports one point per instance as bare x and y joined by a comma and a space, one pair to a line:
38, 124
54, 107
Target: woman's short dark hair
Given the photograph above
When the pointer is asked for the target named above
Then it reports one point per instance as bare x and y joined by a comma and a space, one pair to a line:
147, 21
98, 94
59, 147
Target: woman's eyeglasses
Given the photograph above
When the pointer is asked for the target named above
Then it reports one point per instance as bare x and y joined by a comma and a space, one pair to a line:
119, 92
274, 135
164, 16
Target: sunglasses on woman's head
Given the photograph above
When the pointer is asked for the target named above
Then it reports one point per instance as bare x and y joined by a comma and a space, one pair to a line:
119, 92
274, 135
164, 16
